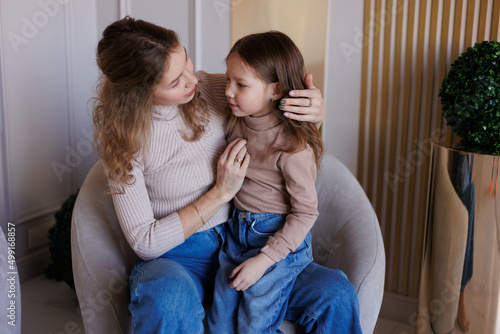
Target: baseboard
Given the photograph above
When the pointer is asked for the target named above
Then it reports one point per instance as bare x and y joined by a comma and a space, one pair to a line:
398, 308
33, 264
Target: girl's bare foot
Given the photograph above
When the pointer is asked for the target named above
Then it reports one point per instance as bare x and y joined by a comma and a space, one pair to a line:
463, 321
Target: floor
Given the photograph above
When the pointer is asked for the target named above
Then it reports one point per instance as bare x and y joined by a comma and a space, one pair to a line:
51, 307
386, 326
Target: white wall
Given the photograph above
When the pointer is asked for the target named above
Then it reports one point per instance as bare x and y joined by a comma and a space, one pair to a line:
203, 26
48, 72
212, 35
343, 80
4, 207
337, 74
47, 76
304, 22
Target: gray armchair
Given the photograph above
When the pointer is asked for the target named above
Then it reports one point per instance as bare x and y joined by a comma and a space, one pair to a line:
346, 236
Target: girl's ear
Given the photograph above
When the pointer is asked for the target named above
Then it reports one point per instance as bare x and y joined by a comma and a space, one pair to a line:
277, 91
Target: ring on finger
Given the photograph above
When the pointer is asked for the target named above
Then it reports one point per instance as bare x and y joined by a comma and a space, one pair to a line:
310, 102
238, 160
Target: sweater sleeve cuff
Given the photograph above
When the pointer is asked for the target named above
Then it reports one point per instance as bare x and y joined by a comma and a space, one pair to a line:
156, 244
274, 250
176, 230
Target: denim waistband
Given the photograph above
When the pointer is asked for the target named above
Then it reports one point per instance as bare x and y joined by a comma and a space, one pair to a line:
255, 216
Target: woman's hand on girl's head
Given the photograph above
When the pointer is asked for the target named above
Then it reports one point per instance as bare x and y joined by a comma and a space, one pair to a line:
231, 169
306, 105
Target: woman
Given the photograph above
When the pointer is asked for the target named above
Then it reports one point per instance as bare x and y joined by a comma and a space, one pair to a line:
159, 132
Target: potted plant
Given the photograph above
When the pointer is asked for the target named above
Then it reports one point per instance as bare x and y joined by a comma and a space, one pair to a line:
60, 268
470, 98
460, 270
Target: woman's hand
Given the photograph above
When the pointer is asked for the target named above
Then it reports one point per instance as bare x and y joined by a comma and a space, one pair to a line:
250, 271
306, 105
231, 169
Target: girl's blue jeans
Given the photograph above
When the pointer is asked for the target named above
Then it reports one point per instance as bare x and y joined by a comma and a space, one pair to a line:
168, 294
262, 307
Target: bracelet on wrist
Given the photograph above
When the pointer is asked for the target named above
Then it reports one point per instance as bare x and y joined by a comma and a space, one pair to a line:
199, 213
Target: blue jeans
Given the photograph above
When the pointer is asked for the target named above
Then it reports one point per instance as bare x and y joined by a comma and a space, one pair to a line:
168, 294
262, 307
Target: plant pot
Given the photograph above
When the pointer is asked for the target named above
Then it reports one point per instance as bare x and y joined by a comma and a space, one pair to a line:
460, 281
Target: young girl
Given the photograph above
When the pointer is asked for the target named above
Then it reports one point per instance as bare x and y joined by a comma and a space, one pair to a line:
268, 241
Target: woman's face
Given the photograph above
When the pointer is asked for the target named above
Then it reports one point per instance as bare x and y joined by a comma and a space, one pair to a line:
178, 83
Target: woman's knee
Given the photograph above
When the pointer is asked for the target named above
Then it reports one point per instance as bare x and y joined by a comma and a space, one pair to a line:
340, 291
164, 285
322, 287
324, 300
339, 279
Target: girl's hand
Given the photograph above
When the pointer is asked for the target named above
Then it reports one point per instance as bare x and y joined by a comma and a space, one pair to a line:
249, 272
231, 169
306, 105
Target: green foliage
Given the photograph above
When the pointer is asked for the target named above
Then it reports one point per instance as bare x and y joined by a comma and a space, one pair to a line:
470, 97
61, 268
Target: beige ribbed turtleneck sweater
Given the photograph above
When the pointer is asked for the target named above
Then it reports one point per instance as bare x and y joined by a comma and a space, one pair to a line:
175, 174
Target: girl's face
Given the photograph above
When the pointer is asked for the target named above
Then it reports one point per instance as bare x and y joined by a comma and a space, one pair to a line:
178, 83
246, 92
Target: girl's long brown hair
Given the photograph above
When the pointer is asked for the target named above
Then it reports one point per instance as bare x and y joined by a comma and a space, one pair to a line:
132, 55
275, 58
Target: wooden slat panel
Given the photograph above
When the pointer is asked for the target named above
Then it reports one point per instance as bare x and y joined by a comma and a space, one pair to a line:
470, 23
364, 98
428, 131
403, 68
456, 50
483, 18
385, 110
460, 5
401, 167
411, 134
373, 98
391, 178
495, 19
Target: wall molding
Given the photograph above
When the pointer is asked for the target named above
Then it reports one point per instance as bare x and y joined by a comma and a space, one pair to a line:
57, 46
46, 209
32, 213
327, 64
69, 34
33, 264
342, 81
4, 167
196, 32
125, 8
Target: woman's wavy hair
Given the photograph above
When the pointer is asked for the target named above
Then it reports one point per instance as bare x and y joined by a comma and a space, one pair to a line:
275, 58
133, 55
